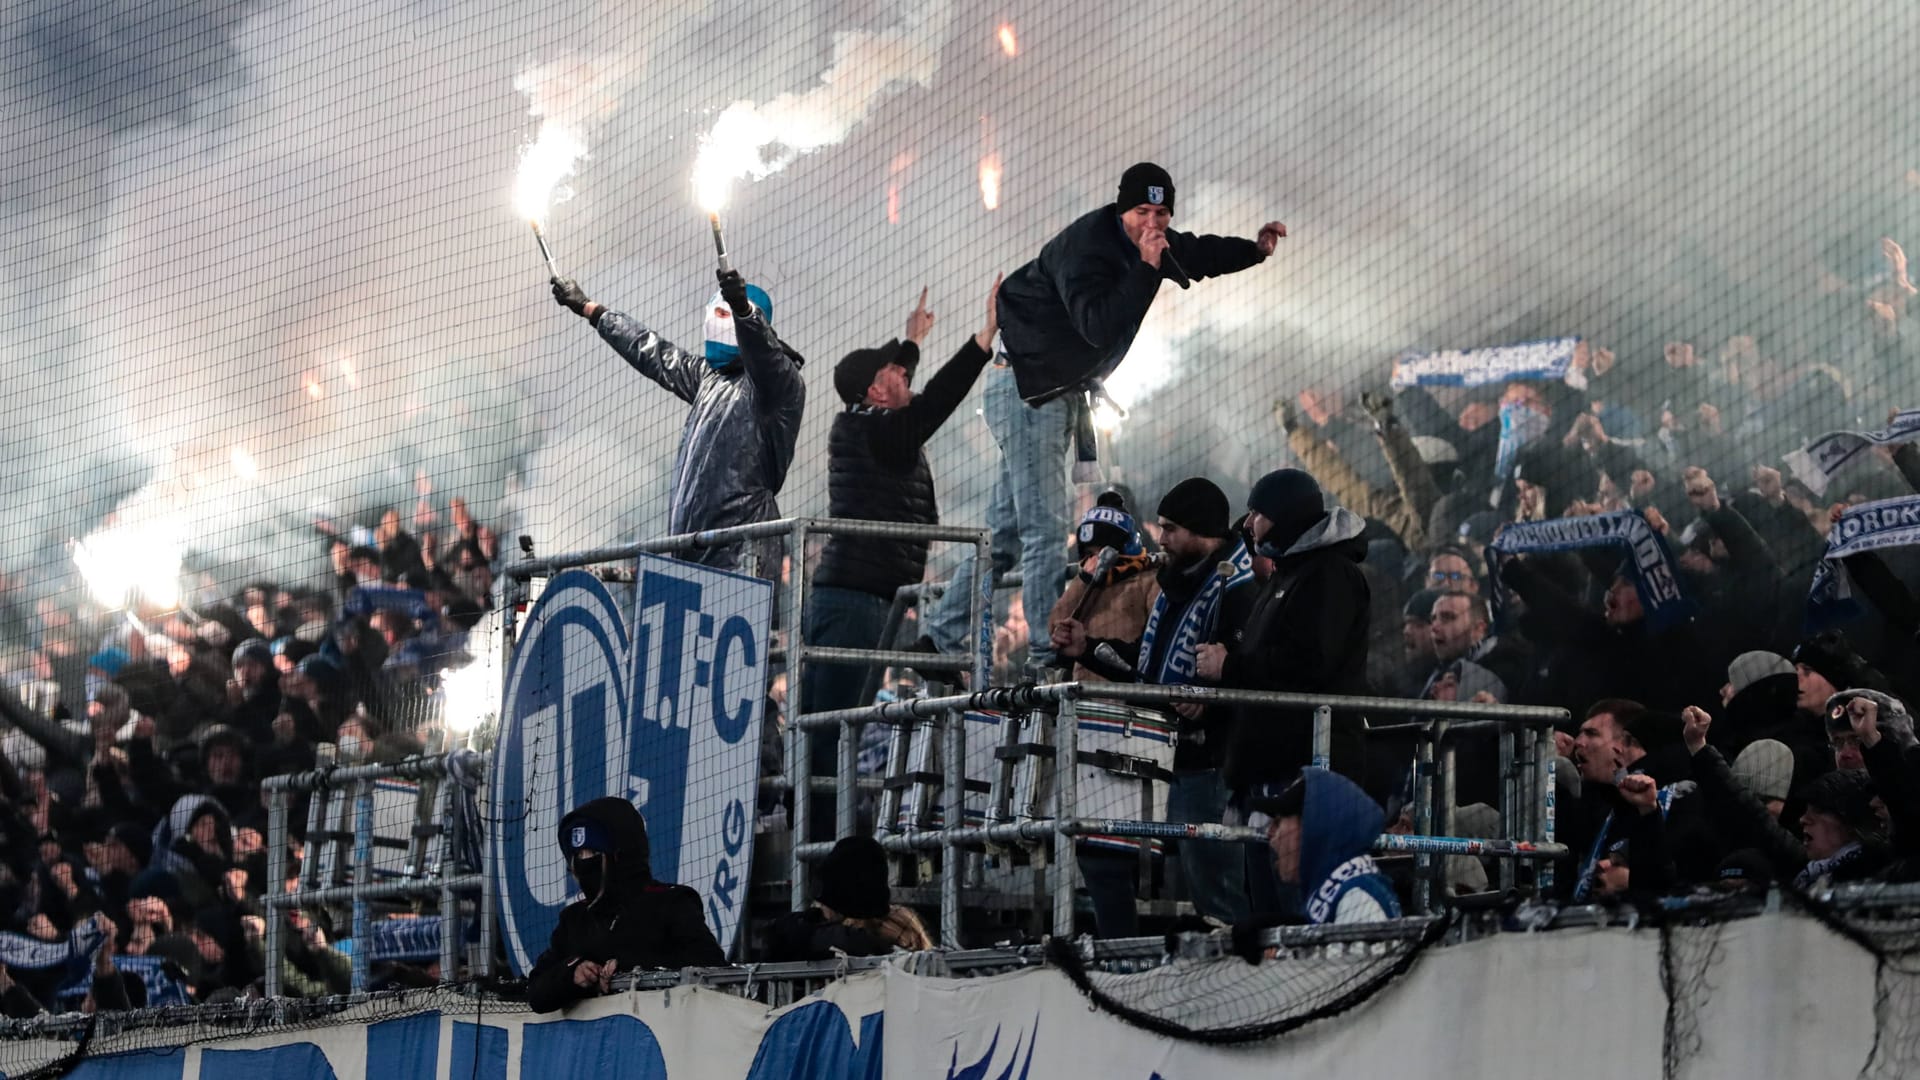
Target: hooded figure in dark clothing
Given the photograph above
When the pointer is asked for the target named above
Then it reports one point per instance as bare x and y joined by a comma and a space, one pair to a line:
624, 919
1304, 631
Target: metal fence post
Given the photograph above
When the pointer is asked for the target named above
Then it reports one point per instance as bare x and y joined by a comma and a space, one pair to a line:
1507, 803
980, 610
1066, 772
800, 764
362, 877
276, 885
1323, 736
1423, 820
955, 743
1544, 880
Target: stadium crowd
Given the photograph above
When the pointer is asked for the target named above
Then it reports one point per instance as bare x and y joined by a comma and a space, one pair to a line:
1419, 545
130, 800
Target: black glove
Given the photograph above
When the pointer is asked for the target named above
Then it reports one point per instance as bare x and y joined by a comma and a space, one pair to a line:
733, 289
568, 294
1247, 944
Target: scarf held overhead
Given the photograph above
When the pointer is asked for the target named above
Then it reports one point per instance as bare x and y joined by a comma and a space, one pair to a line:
1868, 527
1817, 463
1647, 557
1550, 360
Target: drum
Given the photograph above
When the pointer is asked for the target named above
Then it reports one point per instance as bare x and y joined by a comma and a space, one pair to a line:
1125, 766
922, 782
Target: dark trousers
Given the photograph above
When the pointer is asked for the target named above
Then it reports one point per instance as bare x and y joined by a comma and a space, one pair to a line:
841, 619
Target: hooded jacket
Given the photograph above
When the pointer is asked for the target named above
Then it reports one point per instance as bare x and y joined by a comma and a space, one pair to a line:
1070, 315
739, 435
1338, 825
1118, 610
1304, 631
635, 921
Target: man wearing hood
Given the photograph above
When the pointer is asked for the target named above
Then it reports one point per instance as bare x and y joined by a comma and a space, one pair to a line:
1304, 631
624, 918
1320, 828
746, 396
1067, 320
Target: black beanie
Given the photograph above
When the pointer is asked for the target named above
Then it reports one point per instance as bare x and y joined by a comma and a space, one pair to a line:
853, 879
1831, 656
1107, 525
1197, 505
1291, 499
854, 374
1145, 183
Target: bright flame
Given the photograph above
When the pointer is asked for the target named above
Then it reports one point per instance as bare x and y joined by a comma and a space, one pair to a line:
893, 202
543, 165
470, 696
243, 464
312, 384
1107, 417
990, 181
122, 563
1008, 43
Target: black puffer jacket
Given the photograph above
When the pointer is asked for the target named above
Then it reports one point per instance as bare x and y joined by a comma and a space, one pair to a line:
1305, 632
877, 471
636, 922
740, 433
1070, 314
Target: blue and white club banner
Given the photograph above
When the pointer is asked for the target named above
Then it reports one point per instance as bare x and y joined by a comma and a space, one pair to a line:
654, 696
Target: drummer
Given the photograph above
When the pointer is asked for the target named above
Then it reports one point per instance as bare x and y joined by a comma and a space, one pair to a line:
1204, 557
1112, 602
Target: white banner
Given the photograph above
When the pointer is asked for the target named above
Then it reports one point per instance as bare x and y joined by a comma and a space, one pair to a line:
1783, 997
654, 696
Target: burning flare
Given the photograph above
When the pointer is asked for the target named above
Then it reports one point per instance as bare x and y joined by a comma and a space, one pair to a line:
543, 165
125, 562
990, 181
1009, 44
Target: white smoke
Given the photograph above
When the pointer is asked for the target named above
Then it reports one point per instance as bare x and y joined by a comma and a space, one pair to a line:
572, 97
752, 141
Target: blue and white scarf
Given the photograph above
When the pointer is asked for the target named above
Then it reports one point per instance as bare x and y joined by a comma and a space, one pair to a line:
1868, 527
1196, 625
1550, 360
1590, 870
1646, 552
1817, 462
1359, 872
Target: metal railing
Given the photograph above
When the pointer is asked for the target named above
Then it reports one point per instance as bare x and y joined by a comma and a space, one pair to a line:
1526, 810
977, 662
429, 871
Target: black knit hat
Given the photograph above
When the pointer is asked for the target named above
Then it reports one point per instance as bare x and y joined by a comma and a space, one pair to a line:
853, 879
1420, 604
1145, 183
855, 372
1197, 505
1831, 656
1107, 524
1846, 794
1291, 500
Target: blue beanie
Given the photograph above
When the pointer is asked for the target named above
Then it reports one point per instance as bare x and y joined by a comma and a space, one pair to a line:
1108, 525
110, 661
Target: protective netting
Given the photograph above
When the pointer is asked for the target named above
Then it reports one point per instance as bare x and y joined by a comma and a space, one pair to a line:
1694, 951
1287, 980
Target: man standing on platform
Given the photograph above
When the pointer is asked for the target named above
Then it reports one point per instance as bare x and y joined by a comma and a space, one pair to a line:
877, 471
1067, 319
747, 399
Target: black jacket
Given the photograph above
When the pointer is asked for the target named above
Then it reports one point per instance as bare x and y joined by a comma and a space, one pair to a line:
877, 471
1070, 314
1304, 631
636, 922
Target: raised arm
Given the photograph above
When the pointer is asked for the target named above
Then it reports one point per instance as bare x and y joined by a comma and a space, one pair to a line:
674, 368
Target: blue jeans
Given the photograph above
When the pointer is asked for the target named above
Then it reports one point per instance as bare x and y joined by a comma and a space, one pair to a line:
844, 619
1215, 872
1028, 515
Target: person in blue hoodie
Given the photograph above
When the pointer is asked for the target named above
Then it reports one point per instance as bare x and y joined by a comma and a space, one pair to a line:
1320, 829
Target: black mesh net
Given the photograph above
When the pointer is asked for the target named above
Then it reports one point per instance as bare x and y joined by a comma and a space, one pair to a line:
1288, 978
